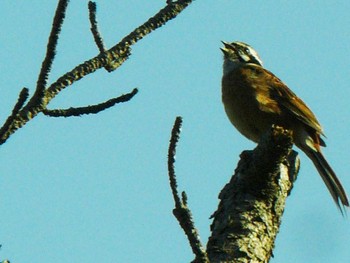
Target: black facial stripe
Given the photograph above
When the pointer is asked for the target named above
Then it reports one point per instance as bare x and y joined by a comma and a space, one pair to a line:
254, 61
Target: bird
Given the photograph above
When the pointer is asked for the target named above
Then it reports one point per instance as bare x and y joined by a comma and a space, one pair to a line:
255, 99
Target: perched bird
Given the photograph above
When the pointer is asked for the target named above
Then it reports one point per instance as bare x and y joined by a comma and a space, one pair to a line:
255, 99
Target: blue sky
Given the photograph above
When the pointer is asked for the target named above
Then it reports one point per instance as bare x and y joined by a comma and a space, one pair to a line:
95, 188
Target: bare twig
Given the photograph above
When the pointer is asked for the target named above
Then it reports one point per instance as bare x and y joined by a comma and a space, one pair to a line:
96, 33
181, 211
22, 98
94, 29
91, 109
175, 135
51, 49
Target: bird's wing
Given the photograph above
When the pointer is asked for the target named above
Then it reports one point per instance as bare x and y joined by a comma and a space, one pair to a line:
279, 93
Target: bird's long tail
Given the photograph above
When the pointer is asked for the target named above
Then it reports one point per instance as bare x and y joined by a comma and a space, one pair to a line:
329, 177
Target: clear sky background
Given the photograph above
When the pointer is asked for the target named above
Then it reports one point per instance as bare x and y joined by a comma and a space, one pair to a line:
95, 188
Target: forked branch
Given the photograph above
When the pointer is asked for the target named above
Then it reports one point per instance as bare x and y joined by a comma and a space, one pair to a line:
181, 211
110, 59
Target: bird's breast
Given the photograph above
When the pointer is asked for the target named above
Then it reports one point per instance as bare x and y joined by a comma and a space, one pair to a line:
242, 106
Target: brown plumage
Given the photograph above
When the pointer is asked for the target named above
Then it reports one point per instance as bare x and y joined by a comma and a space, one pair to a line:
255, 99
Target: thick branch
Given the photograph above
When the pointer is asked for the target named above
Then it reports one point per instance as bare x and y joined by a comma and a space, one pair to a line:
249, 214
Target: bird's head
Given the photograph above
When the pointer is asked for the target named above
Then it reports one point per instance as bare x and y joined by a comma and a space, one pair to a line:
236, 53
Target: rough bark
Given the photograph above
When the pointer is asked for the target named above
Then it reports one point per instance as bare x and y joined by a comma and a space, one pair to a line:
249, 215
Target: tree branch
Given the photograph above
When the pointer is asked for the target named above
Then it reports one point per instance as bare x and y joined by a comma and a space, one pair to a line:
91, 109
182, 212
23, 96
118, 54
247, 220
94, 29
96, 33
110, 59
51, 49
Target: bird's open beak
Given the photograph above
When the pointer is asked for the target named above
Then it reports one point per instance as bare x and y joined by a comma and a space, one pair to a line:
227, 47
224, 49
